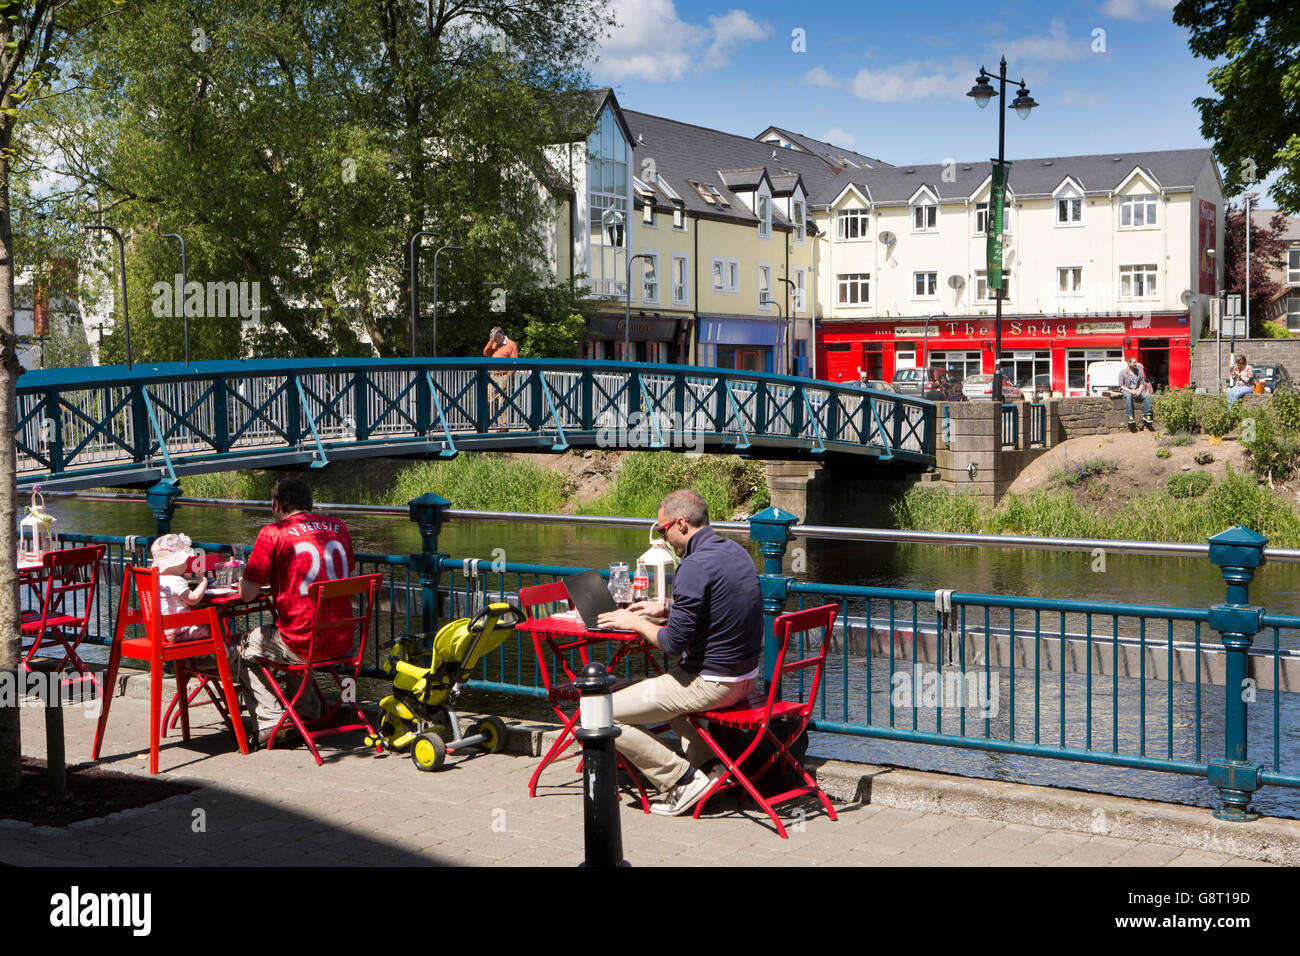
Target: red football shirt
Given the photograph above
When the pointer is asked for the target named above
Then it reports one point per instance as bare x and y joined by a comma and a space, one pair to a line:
291, 555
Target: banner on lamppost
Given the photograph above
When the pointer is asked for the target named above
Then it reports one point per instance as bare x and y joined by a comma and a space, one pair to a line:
996, 224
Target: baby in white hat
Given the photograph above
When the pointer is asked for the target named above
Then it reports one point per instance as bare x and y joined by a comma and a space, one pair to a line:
171, 558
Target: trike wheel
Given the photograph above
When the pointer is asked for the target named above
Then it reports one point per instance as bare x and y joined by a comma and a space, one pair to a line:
391, 728
428, 752
494, 734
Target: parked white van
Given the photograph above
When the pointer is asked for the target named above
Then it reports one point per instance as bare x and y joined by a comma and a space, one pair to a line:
1102, 376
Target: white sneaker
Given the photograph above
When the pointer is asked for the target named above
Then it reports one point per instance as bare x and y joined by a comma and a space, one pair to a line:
684, 796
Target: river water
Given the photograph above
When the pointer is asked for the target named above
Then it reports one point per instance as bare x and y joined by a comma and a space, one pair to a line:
1125, 578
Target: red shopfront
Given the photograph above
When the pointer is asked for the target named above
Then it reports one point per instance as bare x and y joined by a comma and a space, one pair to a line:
1033, 347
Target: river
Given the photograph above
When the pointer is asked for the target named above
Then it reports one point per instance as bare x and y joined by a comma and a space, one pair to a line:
1122, 578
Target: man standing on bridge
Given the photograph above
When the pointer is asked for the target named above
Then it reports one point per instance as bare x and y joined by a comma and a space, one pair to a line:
298, 549
498, 346
715, 623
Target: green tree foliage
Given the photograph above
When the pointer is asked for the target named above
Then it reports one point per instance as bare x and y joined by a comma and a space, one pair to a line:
299, 144
1255, 121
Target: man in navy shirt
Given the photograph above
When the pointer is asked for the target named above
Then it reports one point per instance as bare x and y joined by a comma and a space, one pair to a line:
715, 622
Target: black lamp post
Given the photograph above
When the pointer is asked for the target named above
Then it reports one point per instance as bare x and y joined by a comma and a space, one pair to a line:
121, 258
414, 239
982, 92
794, 307
441, 249
184, 306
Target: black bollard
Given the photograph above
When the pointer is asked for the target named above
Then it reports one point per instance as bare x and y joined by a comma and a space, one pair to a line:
603, 834
56, 768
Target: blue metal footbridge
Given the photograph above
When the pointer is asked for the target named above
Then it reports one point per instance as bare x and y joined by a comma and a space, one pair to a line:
117, 427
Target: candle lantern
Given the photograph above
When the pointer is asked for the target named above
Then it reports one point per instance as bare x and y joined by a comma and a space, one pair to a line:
37, 535
658, 560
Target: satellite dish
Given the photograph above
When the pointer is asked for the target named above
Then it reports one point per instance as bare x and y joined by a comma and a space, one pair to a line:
1188, 297
956, 282
888, 238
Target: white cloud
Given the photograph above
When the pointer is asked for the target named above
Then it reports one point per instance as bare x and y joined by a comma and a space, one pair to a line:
1136, 9
653, 43
839, 137
730, 31
1085, 100
819, 77
1056, 45
908, 82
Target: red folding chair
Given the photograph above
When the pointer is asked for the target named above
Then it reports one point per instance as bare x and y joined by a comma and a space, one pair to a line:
564, 693
334, 647
67, 587
795, 714
157, 650
199, 564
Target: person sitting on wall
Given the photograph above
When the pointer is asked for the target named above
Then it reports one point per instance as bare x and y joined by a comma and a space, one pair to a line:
1241, 380
1133, 383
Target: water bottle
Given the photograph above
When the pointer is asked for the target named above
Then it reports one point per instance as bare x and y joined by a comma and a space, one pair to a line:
640, 583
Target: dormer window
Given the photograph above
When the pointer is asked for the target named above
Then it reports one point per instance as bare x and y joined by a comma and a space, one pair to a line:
797, 214
1138, 212
764, 217
925, 215
852, 224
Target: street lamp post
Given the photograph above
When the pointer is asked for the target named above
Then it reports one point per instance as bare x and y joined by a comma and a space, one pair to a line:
627, 308
1249, 197
411, 257
982, 92
121, 258
794, 307
441, 250
184, 305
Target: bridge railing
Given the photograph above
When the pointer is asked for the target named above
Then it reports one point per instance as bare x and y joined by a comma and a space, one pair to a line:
79, 427
1182, 690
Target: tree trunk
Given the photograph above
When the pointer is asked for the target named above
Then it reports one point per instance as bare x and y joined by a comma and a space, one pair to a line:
10, 643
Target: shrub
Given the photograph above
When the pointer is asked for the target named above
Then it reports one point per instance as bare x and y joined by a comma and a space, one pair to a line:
1176, 440
1204, 458
1215, 416
1191, 485
1076, 472
1272, 452
1163, 453
1286, 407
1275, 330
1175, 409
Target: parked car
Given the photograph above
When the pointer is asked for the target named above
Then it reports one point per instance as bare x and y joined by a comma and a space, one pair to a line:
1274, 377
1102, 376
980, 388
880, 385
936, 384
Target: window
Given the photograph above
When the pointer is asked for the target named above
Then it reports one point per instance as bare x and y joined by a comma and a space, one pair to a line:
800, 228
1137, 212
925, 285
764, 287
680, 287
1293, 267
982, 291
852, 224
854, 288
679, 218
650, 278
1026, 368
648, 213
798, 304
764, 217
1069, 211
726, 276
1069, 280
964, 364
1293, 314
608, 184
982, 219
1137, 282
925, 217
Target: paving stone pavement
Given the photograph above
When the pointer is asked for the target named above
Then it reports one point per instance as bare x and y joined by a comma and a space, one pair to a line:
278, 808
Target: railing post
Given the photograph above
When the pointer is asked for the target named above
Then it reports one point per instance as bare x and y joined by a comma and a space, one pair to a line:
423, 403
771, 529
360, 408
482, 414
221, 414
293, 410
1238, 552
140, 429
429, 511
161, 498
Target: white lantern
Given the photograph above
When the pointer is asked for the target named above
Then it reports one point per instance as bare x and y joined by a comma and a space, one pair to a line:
36, 533
657, 561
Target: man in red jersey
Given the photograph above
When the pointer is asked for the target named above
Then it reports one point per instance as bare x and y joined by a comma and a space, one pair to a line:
297, 550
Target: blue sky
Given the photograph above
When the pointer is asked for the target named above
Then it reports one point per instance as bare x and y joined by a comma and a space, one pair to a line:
889, 79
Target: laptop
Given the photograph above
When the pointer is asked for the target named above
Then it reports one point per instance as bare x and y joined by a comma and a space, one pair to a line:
591, 597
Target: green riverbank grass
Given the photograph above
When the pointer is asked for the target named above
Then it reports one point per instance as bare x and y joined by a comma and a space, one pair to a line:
1154, 516
726, 484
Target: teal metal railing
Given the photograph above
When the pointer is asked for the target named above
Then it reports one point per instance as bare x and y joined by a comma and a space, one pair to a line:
1183, 690
86, 427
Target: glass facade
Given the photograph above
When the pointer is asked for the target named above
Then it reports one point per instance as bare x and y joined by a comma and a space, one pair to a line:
608, 199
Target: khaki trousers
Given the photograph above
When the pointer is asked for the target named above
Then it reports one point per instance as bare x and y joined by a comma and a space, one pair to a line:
667, 699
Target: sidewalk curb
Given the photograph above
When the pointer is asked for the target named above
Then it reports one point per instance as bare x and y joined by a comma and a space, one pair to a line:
1269, 839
